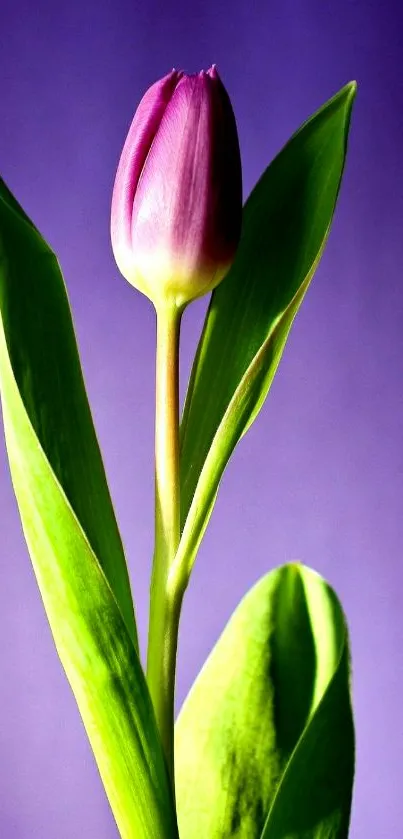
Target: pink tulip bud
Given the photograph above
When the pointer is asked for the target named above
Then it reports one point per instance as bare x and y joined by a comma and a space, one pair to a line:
177, 199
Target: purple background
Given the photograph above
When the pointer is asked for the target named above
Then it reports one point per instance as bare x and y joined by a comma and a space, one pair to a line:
320, 475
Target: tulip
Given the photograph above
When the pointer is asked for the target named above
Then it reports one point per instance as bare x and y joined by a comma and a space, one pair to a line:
175, 227
177, 198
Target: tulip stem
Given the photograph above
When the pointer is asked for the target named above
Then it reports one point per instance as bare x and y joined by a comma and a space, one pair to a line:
164, 604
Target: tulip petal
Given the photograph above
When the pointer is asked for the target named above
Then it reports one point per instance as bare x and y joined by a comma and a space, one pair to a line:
170, 202
141, 134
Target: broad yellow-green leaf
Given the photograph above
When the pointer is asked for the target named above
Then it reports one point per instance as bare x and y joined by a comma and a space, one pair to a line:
265, 740
70, 529
285, 225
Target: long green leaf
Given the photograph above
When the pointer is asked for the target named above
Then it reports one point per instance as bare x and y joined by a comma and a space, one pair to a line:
285, 226
43, 354
70, 529
265, 740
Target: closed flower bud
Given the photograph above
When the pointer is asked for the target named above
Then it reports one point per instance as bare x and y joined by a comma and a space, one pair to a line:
177, 199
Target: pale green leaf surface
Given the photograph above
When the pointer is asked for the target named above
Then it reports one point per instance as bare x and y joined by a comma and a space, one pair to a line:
285, 226
265, 739
55, 463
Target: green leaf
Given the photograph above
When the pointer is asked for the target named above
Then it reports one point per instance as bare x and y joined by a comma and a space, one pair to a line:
265, 740
285, 226
70, 528
44, 358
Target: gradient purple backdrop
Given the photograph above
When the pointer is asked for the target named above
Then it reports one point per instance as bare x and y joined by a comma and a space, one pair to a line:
320, 475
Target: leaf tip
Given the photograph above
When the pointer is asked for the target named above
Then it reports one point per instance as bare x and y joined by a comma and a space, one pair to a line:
344, 98
351, 91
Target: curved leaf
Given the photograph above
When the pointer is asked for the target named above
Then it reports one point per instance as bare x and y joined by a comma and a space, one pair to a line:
70, 529
44, 358
265, 741
285, 226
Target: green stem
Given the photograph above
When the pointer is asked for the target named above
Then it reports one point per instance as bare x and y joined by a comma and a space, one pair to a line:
164, 604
